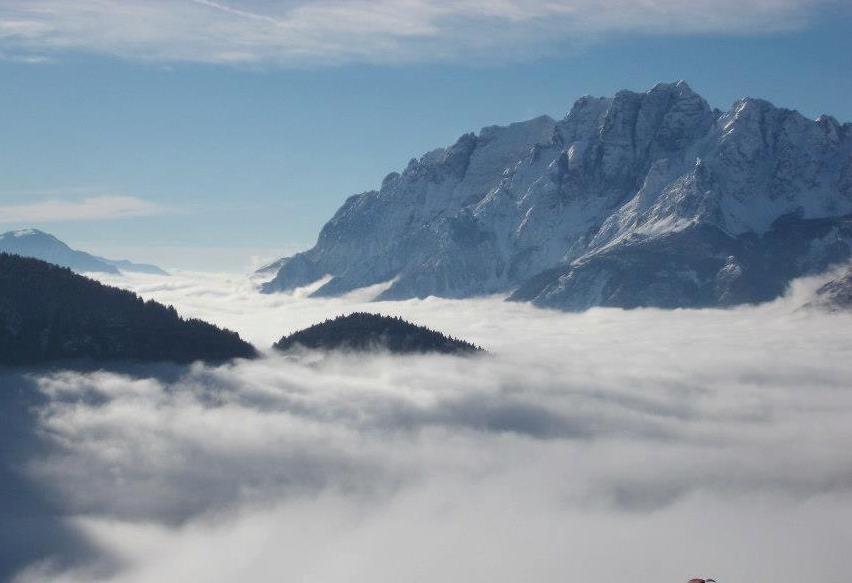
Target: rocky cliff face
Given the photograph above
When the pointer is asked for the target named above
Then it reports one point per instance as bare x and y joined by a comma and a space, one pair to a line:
642, 199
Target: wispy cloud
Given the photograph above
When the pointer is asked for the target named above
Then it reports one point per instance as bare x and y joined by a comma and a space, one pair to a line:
94, 208
308, 32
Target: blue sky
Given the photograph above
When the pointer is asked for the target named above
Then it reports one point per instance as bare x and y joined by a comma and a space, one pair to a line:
148, 136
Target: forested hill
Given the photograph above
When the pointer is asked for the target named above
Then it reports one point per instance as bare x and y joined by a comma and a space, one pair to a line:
49, 313
362, 331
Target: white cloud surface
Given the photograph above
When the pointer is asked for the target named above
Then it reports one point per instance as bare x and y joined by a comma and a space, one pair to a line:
649, 445
303, 32
95, 208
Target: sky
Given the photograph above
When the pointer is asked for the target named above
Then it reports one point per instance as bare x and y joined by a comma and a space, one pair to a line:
215, 135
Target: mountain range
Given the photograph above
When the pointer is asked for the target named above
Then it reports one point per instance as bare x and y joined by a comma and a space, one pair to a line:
44, 246
641, 199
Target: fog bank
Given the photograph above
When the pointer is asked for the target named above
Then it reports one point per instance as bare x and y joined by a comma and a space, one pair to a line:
643, 444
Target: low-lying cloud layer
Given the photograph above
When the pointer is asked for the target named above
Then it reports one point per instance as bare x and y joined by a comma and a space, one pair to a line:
648, 445
306, 32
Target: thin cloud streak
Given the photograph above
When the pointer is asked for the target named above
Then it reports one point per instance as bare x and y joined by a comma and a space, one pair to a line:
96, 208
329, 32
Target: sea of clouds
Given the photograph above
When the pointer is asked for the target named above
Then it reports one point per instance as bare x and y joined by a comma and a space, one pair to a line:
646, 445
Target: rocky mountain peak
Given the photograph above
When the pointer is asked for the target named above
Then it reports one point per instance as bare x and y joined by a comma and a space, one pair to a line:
570, 213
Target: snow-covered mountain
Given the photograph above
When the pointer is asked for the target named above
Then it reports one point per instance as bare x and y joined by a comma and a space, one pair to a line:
641, 199
41, 245
836, 294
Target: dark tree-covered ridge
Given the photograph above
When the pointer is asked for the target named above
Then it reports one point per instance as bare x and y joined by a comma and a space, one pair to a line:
49, 313
362, 331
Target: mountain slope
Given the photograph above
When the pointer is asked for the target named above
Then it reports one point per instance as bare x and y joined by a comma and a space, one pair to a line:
647, 198
368, 332
49, 313
835, 294
123, 265
41, 245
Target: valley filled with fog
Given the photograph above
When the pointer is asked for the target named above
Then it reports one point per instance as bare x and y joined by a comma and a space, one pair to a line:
420, 291
648, 445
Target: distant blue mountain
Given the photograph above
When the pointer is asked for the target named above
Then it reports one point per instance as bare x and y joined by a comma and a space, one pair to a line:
44, 246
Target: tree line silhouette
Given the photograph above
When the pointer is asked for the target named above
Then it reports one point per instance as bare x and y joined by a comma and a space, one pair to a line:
50, 313
363, 331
